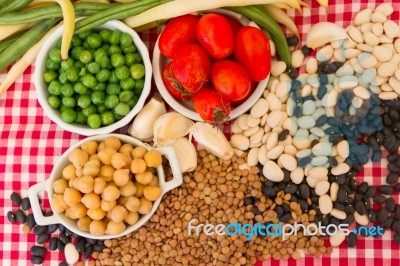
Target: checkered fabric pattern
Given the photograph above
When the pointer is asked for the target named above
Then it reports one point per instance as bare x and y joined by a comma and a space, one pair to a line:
30, 144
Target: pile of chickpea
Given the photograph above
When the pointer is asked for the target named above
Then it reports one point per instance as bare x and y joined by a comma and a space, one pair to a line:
107, 186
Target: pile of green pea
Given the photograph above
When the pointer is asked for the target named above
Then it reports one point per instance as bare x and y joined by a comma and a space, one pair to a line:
101, 80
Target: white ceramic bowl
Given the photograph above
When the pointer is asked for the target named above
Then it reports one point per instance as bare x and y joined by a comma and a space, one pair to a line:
54, 115
186, 108
59, 218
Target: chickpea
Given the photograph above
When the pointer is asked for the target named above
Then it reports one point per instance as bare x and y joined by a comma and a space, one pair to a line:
84, 223
145, 206
132, 218
69, 172
97, 214
138, 152
132, 204
110, 193
107, 205
153, 158
107, 171
138, 166
106, 155
75, 182
151, 170
97, 228
126, 149
139, 189
121, 177
77, 211
115, 228
60, 185
58, 203
72, 196
92, 168
94, 157
91, 201
120, 160
101, 146
79, 172
85, 184
144, 178
121, 201
112, 183
154, 181
78, 157
99, 185
90, 147
113, 142
128, 190
152, 193
118, 213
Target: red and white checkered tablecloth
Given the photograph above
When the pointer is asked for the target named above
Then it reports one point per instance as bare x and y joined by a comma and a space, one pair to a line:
30, 144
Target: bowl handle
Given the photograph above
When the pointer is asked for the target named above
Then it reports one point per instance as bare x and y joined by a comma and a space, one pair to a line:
37, 211
176, 171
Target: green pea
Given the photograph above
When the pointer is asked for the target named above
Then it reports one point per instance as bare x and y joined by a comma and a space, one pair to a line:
125, 96
72, 74
98, 97
94, 121
103, 61
122, 109
122, 72
107, 118
105, 34
80, 88
63, 78
55, 55
84, 35
114, 50
138, 57
67, 90
117, 60
139, 84
126, 40
54, 102
100, 51
103, 75
68, 102
91, 109
67, 63
89, 81
79, 65
49, 76
113, 77
84, 101
111, 101
137, 71
63, 108
68, 115
75, 52
54, 87
83, 72
51, 65
93, 68
85, 57
127, 84
94, 40
129, 59
129, 49
115, 37
113, 89
80, 118
76, 41
132, 102
100, 86
106, 47
102, 108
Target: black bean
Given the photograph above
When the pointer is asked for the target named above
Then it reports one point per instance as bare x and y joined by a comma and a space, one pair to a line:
91, 241
60, 246
293, 73
342, 195
30, 221
304, 191
42, 238
397, 187
248, 201
334, 220
367, 202
49, 213
53, 243
370, 191
36, 260
390, 205
279, 211
38, 251
40, 229
291, 189
20, 216
396, 226
392, 167
63, 264
303, 205
304, 161
379, 199
51, 228
392, 158
356, 167
382, 215
25, 204
64, 238
351, 240
358, 197
88, 252
386, 189
360, 207
61, 227
305, 50
341, 180
16, 199
282, 136
68, 232
268, 192
396, 238
292, 40
397, 213
339, 206
391, 178
352, 184
388, 222
98, 247
349, 219
11, 216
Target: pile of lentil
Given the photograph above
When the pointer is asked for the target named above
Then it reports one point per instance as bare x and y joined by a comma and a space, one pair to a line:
217, 192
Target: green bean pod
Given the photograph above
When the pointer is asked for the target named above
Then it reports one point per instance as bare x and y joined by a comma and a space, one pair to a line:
4, 44
3, 2
257, 15
29, 38
14, 6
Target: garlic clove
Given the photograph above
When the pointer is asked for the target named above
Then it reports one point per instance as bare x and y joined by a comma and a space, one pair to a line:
186, 154
324, 32
143, 124
212, 139
170, 127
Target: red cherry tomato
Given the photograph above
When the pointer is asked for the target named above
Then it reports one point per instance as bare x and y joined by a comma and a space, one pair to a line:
231, 80
253, 52
191, 67
172, 85
210, 105
235, 25
179, 31
215, 34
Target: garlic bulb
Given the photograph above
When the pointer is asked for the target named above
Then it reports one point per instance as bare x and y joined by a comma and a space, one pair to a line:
170, 127
143, 124
324, 32
186, 154
212, 139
